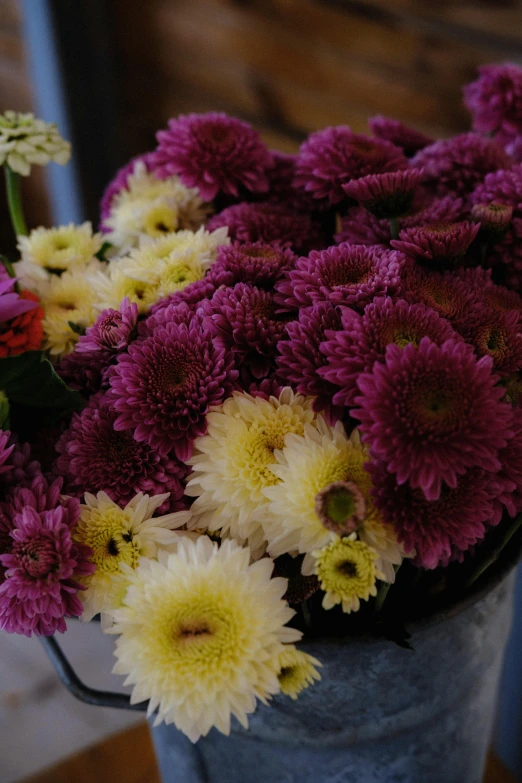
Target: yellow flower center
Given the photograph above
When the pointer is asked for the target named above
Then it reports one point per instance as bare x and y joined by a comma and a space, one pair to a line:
110, 536
346, 569
161, 219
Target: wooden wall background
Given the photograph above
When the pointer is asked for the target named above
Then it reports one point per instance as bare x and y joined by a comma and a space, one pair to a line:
16, 93
293, 66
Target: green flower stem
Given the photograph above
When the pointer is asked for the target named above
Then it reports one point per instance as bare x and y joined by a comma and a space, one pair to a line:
14, 201
495, 553
394, 228
381, 596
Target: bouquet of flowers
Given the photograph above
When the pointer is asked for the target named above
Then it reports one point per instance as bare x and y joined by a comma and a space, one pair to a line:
274, 395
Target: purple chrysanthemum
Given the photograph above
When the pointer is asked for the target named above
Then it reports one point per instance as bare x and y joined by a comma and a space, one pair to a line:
281, 177
11, 303
345, 274
495, 100
439, 529
447, 294
498, 334
6, 449
179, 306
457, 165
86, 372
505, 187
360, 227
300, 357
120, 183
17, 469
441, 244
406, 138
214, 153
432, 412
112, 331
244, 320
164, 385
363, 340
94, 456
42, 564
494, 219
267, 222
385, 195
254, 262
329, 158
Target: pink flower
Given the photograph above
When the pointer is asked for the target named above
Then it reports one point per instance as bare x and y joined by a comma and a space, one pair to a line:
252, 262
269, 223
441, 529
11, 304
214, 153
459, 164
442, 244
406, 138
432, 412
300, 359
385, 195
495, 100
164, 385
329, 158
42, 564
120, 183
346, 274
352, 350
94, 456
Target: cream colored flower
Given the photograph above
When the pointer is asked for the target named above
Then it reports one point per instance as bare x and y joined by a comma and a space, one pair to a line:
297, 671
201, 634
347, 572
26, 141
152, 207
231, 463
68, 298
52, 251
121, 536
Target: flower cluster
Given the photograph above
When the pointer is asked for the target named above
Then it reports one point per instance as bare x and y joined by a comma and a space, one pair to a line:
302, 385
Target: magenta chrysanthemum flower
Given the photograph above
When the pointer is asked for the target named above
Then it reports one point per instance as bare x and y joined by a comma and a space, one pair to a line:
363, 340
281, 177
214, 153
267, 222
86, 369
329, 158
179, 306
406, 138
163, 387
42, 564
447, 294
432, 412
495, 100
119, 183
360, 227
351, 275
499, 335
457, 165
17, 469
385, 195
94, 456
439, 529
243, 319
505, 187
441, 244
112, 331
494, 219
301, 359
254, 262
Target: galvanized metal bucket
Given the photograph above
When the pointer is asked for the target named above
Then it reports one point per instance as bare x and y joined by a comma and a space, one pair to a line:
381, 714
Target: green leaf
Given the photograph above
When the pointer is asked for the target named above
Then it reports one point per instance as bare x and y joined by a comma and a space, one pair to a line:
102, 252
30, 379
77, 328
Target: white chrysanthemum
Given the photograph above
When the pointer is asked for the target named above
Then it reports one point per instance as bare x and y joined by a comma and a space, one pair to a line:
120, 536
347, 570
304, 467
201, 633
159, 267
67, 299
52, 251
26, 141
231, 463
148, 206
297, 671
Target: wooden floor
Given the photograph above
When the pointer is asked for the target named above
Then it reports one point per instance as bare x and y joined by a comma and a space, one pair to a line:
129, 757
